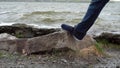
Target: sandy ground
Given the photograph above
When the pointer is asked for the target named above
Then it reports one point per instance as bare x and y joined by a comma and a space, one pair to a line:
112, 60
36, 61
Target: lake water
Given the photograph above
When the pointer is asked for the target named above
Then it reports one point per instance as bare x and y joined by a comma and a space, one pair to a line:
53, 14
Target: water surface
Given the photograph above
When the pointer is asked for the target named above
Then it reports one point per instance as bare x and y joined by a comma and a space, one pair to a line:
53, 14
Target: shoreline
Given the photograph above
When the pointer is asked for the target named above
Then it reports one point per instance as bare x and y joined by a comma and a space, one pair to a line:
56, 58
111, 1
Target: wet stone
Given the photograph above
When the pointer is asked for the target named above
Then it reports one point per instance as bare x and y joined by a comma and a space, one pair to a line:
25, 31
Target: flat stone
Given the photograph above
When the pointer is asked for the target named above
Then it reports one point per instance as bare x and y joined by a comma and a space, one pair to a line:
57, 40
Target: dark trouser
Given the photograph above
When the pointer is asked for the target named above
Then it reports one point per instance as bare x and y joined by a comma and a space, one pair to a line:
92, 13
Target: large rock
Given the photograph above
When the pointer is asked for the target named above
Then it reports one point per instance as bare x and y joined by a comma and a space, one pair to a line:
25, 31
112, 37
56, 40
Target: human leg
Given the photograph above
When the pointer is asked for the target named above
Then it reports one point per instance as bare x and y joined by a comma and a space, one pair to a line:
92, 13
79, 31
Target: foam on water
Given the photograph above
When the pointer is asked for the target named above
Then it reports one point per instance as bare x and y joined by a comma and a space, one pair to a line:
32, 25
5, 24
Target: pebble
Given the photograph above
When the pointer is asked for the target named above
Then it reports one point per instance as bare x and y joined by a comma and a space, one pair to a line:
63, 60
54, 61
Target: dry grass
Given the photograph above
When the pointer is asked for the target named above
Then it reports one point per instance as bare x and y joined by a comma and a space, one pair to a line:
91, 51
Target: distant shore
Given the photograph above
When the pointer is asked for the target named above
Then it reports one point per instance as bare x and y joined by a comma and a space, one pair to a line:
51, 0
